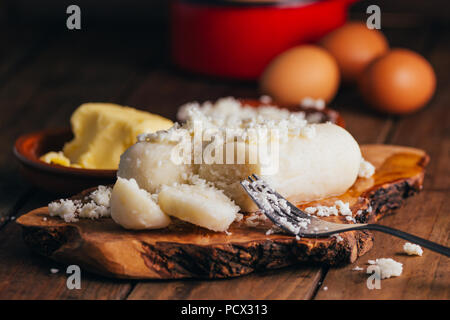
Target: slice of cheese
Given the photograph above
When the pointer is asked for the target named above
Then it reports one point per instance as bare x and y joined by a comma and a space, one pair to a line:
103, 131
134, 208
198, 204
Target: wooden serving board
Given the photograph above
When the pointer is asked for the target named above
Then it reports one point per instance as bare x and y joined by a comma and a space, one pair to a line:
186, 251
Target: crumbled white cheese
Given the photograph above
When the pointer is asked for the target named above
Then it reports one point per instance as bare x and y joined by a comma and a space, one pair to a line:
308, 132
92, 210
366, 169
265, 99
310, 210
309, 102
175, 134
54, 270
412, 249
388, 267
72, 210
101, 196
230, 108
320, 104
324, 211
338, 237
344, 208
339, 207
357, 268
64, 208
255, 219
325, 288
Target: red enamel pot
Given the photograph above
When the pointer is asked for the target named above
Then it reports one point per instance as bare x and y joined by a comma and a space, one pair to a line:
238, 38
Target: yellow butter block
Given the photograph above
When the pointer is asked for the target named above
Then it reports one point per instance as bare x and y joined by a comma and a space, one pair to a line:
56, 158
103, 131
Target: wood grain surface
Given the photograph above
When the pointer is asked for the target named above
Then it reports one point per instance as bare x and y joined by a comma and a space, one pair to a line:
46, 74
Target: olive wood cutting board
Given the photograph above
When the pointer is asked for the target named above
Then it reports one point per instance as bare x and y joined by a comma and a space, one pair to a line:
186, 251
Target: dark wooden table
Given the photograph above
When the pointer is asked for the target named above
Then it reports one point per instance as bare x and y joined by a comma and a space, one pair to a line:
44, 76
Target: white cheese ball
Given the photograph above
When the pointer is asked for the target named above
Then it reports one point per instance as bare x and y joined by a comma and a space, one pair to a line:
150, 164
318, 167
134, 208
308, 168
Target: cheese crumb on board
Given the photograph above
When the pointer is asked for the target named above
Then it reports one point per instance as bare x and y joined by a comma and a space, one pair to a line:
65, 208
388, 267
344, 208
72, 210
338, 237
339, 207
229, 115
101, 196
366, 169
200, 204
231, 108
412, 249
357, 268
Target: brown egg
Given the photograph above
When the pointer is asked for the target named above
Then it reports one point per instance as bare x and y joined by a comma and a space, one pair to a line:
301, 72
399, 82
354, 46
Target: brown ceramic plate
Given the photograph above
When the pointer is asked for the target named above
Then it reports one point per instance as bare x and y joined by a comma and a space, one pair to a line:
55, 178
30, 147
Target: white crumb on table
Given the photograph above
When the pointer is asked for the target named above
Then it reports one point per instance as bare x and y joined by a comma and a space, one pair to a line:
412, 249
54, 270
388, 267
